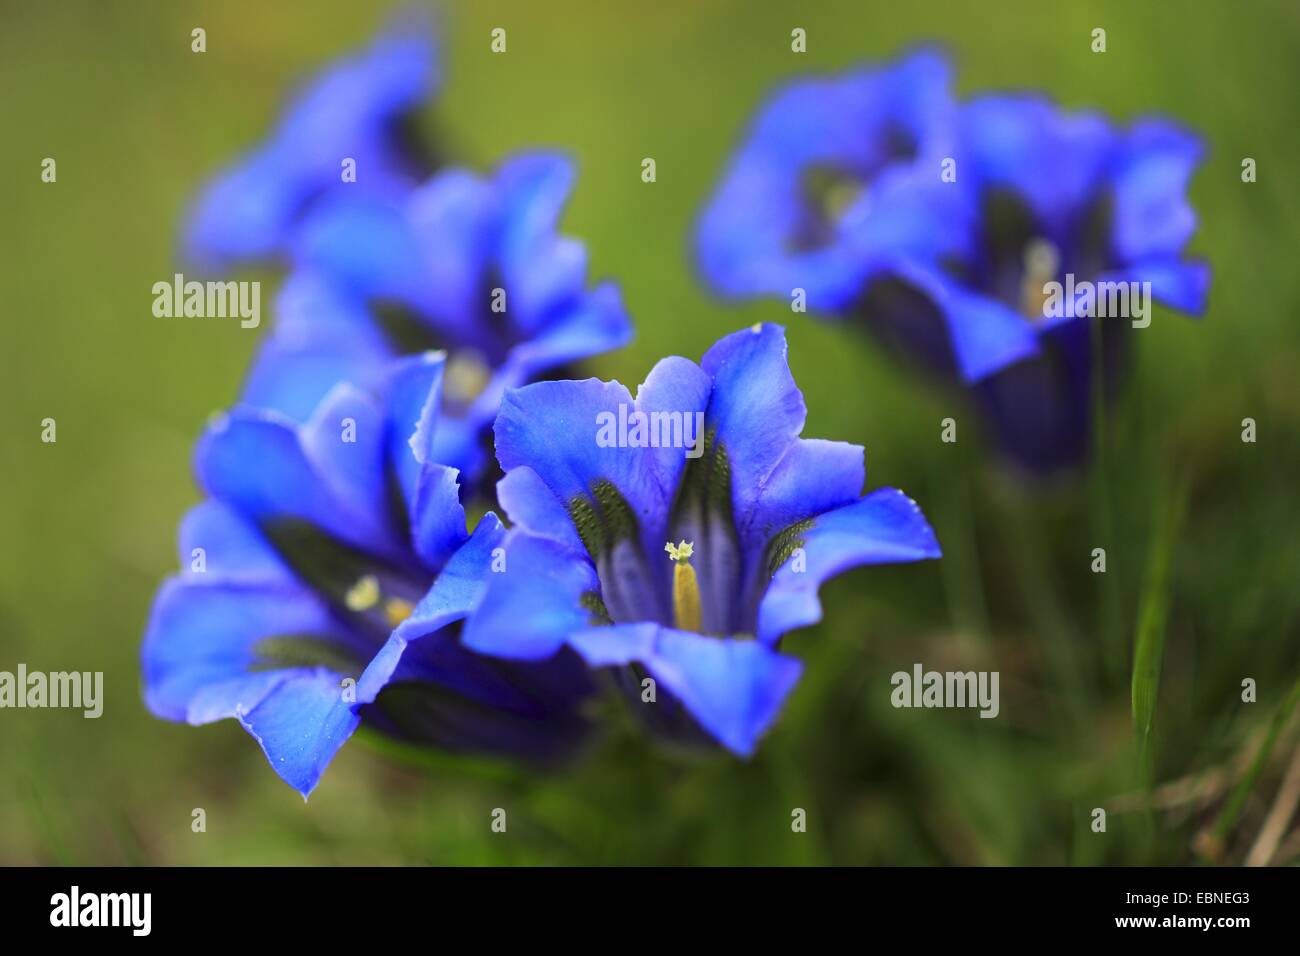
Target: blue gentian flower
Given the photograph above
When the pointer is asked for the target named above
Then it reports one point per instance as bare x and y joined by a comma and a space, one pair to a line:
829, 181
471, 265
683, 564
325, 580
1046, 196
946, 256
357, 110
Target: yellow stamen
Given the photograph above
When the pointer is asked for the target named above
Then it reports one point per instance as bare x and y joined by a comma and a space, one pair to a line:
680, 552
396, 611
363, 595
465, 376
686, 588
366, 595
1042, 260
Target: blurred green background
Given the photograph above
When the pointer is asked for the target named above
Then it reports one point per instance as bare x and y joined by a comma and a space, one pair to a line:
87, 526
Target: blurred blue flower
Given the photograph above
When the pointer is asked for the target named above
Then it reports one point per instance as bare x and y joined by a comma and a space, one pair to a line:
357, 110
1043, 197
830, 182
706, 464
471, 265
325, 579
938, 228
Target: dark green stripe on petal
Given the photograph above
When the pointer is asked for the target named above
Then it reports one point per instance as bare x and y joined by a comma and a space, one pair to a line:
305, 650
784, 543
706, 481
592, 603
331, 567
604, 519
620, 522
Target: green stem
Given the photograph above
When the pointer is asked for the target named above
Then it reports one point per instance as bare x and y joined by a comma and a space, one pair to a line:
1109, 623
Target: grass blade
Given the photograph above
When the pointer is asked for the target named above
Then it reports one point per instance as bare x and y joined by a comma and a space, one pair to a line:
1153, 611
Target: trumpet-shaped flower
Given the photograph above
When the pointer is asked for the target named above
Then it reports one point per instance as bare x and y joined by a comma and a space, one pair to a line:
676, 557
347, 130
984, 248
325, 580
468, 264
830, 184
1057, 221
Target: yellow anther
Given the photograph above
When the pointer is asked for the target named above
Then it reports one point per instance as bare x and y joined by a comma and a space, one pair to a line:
363, 595
465, 376
366, 595
396, 611
1042, 261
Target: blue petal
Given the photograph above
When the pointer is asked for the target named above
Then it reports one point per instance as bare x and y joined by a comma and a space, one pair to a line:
849, 124
266, 467
552, 427
411, 407
283, 483
424, 650
733, 688
345, 441
813, 476
197, 661
756, 410
431, 489
349, 111
678, 385
844, 119
985, 334
885, 527
538, 185
437, 517
200, 640
234, 551
595, 323
301, 725
1153, 217
242, 213
534, 508
1179, 284
349, 108
452, 218
291, 380
1054, 160
742, 244
542, 269
456, 591
363, 242
321, 337
907, 215
435, 249
460, 439
531, 607
430, 446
